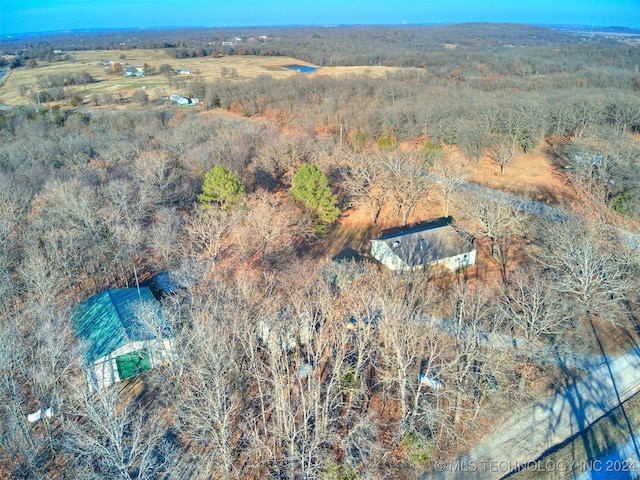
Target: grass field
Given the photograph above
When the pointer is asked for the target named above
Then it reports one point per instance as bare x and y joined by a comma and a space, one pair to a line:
208, 69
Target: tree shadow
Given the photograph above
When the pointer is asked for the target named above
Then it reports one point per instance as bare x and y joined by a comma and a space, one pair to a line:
635, 323
546, 194
583, 402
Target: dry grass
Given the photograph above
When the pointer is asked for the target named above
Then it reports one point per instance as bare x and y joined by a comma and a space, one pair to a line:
532, 175
208, 69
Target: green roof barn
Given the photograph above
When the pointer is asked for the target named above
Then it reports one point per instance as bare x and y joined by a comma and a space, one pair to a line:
122, 333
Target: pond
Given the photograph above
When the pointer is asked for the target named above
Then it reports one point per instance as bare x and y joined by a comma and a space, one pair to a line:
301, 68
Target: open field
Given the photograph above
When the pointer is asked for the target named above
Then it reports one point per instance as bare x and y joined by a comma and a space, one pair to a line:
209, 69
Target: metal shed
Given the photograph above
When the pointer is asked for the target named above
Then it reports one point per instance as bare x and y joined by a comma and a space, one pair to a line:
122, 334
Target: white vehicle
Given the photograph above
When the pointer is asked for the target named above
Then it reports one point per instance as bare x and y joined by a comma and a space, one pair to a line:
36, 416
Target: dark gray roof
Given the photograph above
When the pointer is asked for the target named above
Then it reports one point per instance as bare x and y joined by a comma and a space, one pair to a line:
427, 242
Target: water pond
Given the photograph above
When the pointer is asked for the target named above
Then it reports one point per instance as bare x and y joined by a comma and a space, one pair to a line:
301, 68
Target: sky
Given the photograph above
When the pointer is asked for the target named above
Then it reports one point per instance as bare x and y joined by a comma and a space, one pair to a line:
27, 16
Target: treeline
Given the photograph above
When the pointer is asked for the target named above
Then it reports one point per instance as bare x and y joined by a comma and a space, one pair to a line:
29, 55
51, 88
401, 45
63, 80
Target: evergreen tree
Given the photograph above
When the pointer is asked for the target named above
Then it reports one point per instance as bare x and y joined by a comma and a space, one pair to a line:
221, 187
311, 189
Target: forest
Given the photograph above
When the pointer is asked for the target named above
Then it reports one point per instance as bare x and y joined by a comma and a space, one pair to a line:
99, 198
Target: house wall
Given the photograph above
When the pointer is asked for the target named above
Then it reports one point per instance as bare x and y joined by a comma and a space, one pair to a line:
386, 256
104, 371
459, 261
382, 252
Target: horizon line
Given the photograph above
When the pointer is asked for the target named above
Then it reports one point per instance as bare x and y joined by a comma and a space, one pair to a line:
336, 25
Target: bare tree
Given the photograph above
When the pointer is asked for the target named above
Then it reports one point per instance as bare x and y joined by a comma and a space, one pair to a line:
279, 157
54, 368
502, 152
594, 277
448, 177
530, 302
39, 368
364, 181
207, 232
405, 174
587, 269
108, 438
20, 448
159, 180
210, 399
489, 218
39, 276
272, 227
474, 361
164, 241
402, 329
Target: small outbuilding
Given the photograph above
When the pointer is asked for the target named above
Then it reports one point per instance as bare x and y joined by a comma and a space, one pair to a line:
425, 245
131, 71
183, 101
122, 333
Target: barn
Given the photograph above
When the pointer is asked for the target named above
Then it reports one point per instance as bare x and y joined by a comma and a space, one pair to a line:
121, 334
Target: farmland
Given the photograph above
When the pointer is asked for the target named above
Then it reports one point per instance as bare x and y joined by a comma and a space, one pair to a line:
205, 69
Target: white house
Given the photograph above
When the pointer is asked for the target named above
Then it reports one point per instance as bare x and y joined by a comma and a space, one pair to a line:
183, 101
430, 244
131, 71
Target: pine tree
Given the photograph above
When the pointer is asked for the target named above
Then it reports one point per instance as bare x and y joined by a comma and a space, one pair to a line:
311, 189
221, 187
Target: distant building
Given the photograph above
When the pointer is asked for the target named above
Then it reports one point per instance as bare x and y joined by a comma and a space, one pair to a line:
131, 71
183, 101
117, 338
426, 245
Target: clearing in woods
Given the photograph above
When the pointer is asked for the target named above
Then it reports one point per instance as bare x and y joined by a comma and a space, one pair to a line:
532, 176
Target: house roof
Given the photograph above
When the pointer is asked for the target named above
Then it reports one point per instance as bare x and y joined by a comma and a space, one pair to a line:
427, 242
108, 320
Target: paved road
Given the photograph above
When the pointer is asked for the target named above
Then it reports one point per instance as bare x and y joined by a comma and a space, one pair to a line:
530, 432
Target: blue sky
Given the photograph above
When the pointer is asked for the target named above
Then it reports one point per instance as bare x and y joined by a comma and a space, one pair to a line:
22, 16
